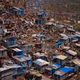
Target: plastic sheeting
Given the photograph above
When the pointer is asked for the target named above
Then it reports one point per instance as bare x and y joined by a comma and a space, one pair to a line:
59, 43
67, 69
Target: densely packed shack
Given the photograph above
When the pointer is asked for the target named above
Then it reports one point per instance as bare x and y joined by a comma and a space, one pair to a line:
34, 46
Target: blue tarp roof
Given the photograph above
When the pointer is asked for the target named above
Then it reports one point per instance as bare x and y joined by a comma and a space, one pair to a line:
67, 69
64, 70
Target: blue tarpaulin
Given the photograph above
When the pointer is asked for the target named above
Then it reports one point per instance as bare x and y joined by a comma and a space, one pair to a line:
63, 71
20, 53
67, 69
21, 12
59, 43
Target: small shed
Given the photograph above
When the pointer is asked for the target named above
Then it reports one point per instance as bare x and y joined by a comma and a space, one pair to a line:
71, 54
40, 64
52, 68
61, 59
64, 73
39, 55
76, 62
